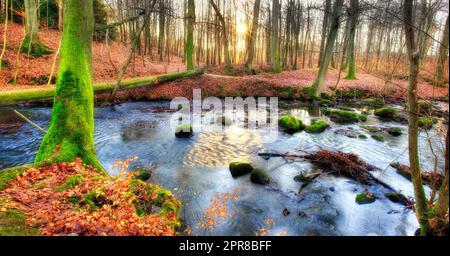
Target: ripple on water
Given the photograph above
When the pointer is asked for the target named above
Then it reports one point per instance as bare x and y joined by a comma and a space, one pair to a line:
197, 168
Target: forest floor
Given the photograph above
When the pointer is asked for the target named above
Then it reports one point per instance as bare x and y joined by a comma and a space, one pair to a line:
107, 60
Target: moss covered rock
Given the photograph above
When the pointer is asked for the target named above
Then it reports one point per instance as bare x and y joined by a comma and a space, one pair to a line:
142, 174
374, 102
345, 117
238, 169
395, 131
378, 137
397, 198
317, 126
427, 122
184, 131
291, 124
362, 137
365, 198
325, 103
386, 113
260, 176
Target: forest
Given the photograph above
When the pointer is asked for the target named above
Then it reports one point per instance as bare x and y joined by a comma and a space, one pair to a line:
224, 117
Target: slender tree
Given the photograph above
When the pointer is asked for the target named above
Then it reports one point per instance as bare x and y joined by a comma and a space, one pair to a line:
225, 39
328, 52
413, 132
252, 37
443, 55
32, 44
325, 27
190, 35
71, 131
275, 40
351, 58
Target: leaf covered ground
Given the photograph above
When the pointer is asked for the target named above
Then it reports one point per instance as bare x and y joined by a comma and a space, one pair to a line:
74, 199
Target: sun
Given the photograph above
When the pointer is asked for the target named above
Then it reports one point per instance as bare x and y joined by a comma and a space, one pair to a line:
241, 28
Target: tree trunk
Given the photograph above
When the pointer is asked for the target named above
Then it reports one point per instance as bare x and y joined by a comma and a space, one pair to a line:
190, 35
60, 15
252, 38
351, 60
413, 133
441, 208
71, 131
326, 18
328, 52
31, 44
226, 43
275, 41
443, 56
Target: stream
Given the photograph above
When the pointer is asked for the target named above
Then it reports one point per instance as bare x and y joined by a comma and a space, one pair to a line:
196, 169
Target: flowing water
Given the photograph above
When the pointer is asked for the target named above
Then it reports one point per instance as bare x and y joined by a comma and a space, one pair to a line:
196, 169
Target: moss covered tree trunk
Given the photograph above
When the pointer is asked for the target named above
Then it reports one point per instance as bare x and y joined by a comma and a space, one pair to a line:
275, 41
413, 131
328, 53
354, 11
190, 35
71, 131
31, 43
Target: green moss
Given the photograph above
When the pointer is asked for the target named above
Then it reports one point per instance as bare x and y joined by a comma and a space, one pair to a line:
286, 92
326, 96
183, 131
317, 126
362, 117
346, 117
71, 131
372, 129
397, 198
260, 176
395, 131
70, 183
379, 138
12, 223
362, 137
291, 124
365, 199
33, 48
349, 94
374, 102
386, 113
427, 122
326, 103
9, 175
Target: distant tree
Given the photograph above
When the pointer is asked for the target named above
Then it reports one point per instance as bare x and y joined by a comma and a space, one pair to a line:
443, 56
275, 41
226, 41
32, 44
353, 23
252, 37
190, 35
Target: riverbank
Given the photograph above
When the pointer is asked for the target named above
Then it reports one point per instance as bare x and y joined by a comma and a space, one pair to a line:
74, 199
